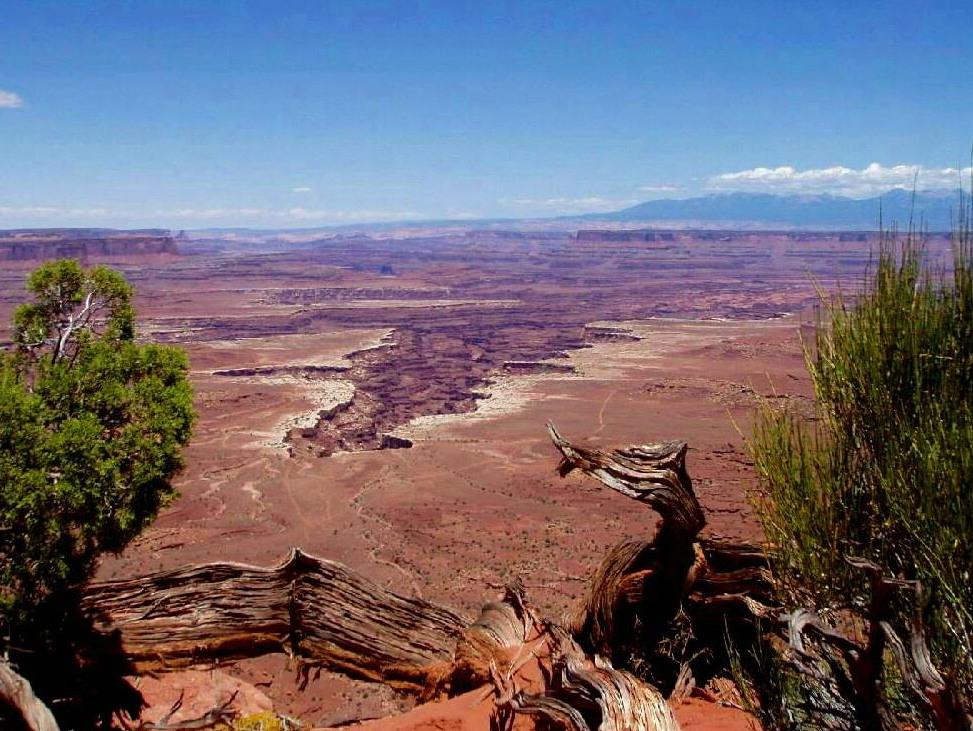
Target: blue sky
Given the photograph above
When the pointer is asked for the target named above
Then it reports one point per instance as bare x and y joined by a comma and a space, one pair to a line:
282, 114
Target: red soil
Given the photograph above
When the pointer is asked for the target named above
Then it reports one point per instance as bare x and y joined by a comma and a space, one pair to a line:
471, 712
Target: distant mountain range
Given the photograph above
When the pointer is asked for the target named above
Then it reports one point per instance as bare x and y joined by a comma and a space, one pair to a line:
935, 209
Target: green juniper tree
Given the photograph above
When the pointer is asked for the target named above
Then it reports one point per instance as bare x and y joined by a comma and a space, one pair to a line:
91, 428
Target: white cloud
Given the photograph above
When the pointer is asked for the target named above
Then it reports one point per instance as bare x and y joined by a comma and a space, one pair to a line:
661, 188
205, 213
839, 180
51, 211
10, 100
586, 204
358, 216
296, 214
301, 189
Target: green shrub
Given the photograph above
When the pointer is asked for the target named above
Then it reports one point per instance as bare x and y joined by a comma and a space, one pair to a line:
885, 470
91, 428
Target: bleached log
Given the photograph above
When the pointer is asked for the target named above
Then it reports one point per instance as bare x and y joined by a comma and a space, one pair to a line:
17, 695
311, 608
585, 693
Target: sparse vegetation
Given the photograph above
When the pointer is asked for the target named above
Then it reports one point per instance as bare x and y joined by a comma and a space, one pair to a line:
885, 470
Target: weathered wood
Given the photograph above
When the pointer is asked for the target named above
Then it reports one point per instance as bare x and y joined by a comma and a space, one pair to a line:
323, 612
580, 691
583, 693
503, 629
846, 672
651, 473
642, 587
311, 608
17, 695
721, 584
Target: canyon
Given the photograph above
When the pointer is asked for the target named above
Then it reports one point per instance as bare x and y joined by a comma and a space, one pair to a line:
379, 399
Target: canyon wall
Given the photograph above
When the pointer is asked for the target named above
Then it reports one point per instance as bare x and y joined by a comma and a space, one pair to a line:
84, 244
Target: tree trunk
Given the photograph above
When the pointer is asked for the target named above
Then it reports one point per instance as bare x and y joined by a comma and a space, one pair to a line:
308, 607
643, 587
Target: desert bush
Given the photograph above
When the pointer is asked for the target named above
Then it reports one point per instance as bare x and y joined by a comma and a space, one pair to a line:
885, 469
265, 721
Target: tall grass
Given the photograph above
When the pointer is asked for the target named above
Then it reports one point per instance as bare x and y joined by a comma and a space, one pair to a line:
885, 469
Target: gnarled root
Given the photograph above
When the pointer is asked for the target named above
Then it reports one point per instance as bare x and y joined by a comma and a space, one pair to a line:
584, 693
